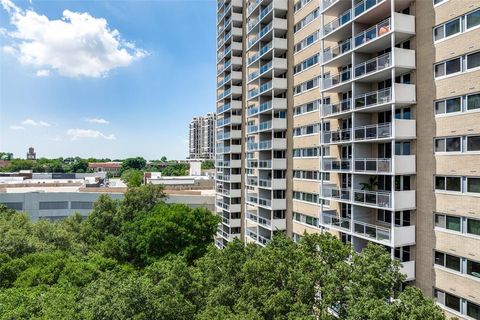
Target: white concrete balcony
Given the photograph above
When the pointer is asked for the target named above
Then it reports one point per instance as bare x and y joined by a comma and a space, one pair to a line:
405, 164
231, 223
404, 95
408, 269
398, 200
403, 129
343, 20
376, 38
280, 24
235, 149
335, 109
332, 53
237, 3
274, 184
275, 224
279, 144
376, 69
400, 236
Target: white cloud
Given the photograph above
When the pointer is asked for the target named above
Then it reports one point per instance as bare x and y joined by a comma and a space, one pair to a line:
75, 45
77, 134
34, 123
15, 127
43, 73
55, 138
97, 120
9, 50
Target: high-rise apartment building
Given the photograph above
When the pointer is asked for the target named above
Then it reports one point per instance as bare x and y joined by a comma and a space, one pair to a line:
202, 137
358, 118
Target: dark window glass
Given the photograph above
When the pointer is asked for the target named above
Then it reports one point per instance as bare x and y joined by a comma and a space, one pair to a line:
473, 310
473, 143
440, 258
473, 19
440, 183
452, 27
473, 101
452, 302
439, 32
453, 66
473, 185
473, 268
454, 184
453, 144
453, 223
473, 60
452, 262
454, 105
473, 226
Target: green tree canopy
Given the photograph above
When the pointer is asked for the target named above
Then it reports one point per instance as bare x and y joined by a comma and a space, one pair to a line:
132, 178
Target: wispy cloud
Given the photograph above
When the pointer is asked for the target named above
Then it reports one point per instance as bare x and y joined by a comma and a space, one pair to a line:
15, 127
34, 123
75, 45
77, 134
97, 120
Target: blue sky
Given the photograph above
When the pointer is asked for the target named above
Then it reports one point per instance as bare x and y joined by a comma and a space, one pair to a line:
70, 85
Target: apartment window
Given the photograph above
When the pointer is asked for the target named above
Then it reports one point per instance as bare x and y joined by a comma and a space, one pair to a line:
306, 130
53, 205
473, 226
473, 310
448, 67
448, 144
436, 2
310, 39
473, 60
448, 183
384, 216
448, 105
305, 108
309, 18
448, 29
305, 86
305, 64
473, 101
402, 148
473, 268
457, 25
305, 196
473, 185
305, 219
300, 4
473, 19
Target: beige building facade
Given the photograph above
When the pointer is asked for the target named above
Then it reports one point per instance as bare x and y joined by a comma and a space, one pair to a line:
362, 118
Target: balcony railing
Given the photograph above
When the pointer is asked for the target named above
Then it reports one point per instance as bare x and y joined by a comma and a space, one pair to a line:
336, 193
344, 135
260, 71
373, 165
262, 32
253, 22
364, 6
264, 87
337, 165
251, 234
224, 108
373, 65
373, 32
224, 121
337, 23
371, 231
335, 221
265, 183
343, 47
252, 6
262, 50
252, 216
375, 131
263, 240
224, 80
264, 202
339, 107
338, 78
374, 198
371, 99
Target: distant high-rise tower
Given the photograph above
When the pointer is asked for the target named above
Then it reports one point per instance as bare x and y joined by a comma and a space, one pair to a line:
31, 154
202, 137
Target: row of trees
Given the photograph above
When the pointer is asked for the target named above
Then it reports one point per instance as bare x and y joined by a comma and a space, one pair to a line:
139, 258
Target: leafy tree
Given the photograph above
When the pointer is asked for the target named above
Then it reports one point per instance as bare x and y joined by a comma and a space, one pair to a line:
208, 164
138, 163
132, 178
169, 229
163, 159
176, 169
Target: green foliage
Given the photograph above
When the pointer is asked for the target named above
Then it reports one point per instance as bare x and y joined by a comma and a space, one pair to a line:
132, 178
208, 164
163, 159
175, 169
139, 258
137, 163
